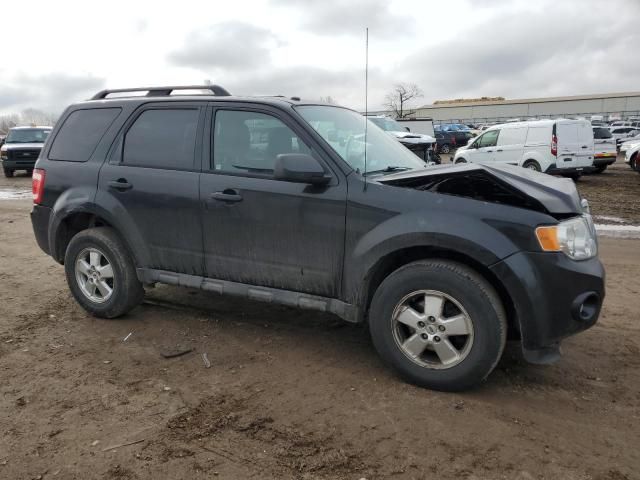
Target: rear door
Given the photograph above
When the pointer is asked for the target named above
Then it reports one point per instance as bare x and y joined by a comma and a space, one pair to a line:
151, 183
510, 145
575, 144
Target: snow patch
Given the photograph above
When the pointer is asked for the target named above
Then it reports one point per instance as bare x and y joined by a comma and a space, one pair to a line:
14, 194
618, 231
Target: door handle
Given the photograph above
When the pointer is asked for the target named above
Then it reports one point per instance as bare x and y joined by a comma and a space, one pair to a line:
120, 184
228, 195
488, 151
499, 150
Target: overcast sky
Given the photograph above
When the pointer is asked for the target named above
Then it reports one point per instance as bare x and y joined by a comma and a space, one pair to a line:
58, 52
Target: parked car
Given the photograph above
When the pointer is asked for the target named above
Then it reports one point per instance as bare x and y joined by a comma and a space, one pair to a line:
562, 147
259, 197
420, 144
629, 143
621, 134
631, 157
21, 149
449, 141
605, 152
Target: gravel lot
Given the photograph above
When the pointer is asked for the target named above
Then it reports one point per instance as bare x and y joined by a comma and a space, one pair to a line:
293, 394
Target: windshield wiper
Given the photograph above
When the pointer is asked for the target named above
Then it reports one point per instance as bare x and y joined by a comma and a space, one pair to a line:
389, 169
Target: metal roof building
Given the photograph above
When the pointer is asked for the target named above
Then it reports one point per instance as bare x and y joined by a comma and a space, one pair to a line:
621, 105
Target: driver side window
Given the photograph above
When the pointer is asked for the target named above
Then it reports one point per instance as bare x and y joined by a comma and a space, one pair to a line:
488, 139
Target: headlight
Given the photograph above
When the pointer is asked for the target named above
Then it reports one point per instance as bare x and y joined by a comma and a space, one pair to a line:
4, 155
575, 237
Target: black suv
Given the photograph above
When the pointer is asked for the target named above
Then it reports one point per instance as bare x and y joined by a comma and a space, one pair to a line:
256, 197
450, 140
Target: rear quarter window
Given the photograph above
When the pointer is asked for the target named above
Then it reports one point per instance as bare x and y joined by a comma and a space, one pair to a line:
80, 134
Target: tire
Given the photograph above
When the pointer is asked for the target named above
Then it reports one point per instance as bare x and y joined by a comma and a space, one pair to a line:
8, 173
600, 169
574, 176
460, 160
479, 305
126, 289
532, 165
30, 172
445, 148
632, 162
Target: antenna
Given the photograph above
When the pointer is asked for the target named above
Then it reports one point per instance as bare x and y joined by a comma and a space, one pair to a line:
366, 100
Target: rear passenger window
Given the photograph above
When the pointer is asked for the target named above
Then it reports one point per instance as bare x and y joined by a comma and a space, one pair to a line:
162, 138
512, 136
80, 134
249, 142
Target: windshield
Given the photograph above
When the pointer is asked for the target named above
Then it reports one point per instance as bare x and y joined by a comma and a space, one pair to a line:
344, 130
387, 124
28, 135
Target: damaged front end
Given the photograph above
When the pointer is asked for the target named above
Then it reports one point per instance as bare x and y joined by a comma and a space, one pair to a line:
505, 185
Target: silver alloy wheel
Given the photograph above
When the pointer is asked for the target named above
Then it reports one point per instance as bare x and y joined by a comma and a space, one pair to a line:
94, 275
432, 329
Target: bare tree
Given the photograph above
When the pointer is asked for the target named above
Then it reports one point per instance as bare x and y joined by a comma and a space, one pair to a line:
396, 101
329, 99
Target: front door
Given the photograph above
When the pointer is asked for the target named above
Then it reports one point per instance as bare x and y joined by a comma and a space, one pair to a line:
262, 231
150, 184
485, 147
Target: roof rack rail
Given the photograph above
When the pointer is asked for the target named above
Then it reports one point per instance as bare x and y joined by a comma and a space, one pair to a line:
163, 91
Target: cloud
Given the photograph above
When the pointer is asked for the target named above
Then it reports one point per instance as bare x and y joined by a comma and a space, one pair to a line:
51, 92
556, 49
339, 17
233, 45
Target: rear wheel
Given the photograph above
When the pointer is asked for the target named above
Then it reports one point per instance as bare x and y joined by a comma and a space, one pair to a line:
439, 324
101, 273
600, 169
8, 173
532, 165
445, 148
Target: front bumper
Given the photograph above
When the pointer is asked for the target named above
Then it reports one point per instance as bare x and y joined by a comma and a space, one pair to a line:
12, 164
553, 296
40, 221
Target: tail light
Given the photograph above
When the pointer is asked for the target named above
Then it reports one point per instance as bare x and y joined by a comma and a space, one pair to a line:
37, 185
554, 145
453, 140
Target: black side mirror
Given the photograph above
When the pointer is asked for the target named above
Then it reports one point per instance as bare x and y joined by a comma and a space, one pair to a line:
299, 168
407, 129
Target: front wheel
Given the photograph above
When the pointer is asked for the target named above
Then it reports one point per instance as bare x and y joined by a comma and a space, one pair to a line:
439, 324
460, 160
101, 273
8, 173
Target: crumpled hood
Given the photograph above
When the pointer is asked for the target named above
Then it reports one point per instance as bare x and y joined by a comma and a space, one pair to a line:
504, 184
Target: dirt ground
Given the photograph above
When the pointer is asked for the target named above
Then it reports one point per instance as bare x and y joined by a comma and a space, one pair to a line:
293, 394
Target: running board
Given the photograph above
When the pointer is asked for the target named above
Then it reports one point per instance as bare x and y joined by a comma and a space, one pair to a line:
346, 311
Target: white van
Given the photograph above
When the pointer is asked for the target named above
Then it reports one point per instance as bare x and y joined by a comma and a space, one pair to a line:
562, 147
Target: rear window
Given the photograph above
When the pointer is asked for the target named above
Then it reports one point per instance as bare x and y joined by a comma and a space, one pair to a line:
80, 134
162, 139
601, 133
512, 136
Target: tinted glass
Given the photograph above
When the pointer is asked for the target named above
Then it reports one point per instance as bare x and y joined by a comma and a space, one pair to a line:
81, 133
162, 139
488, 139
249, 142
601, 132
